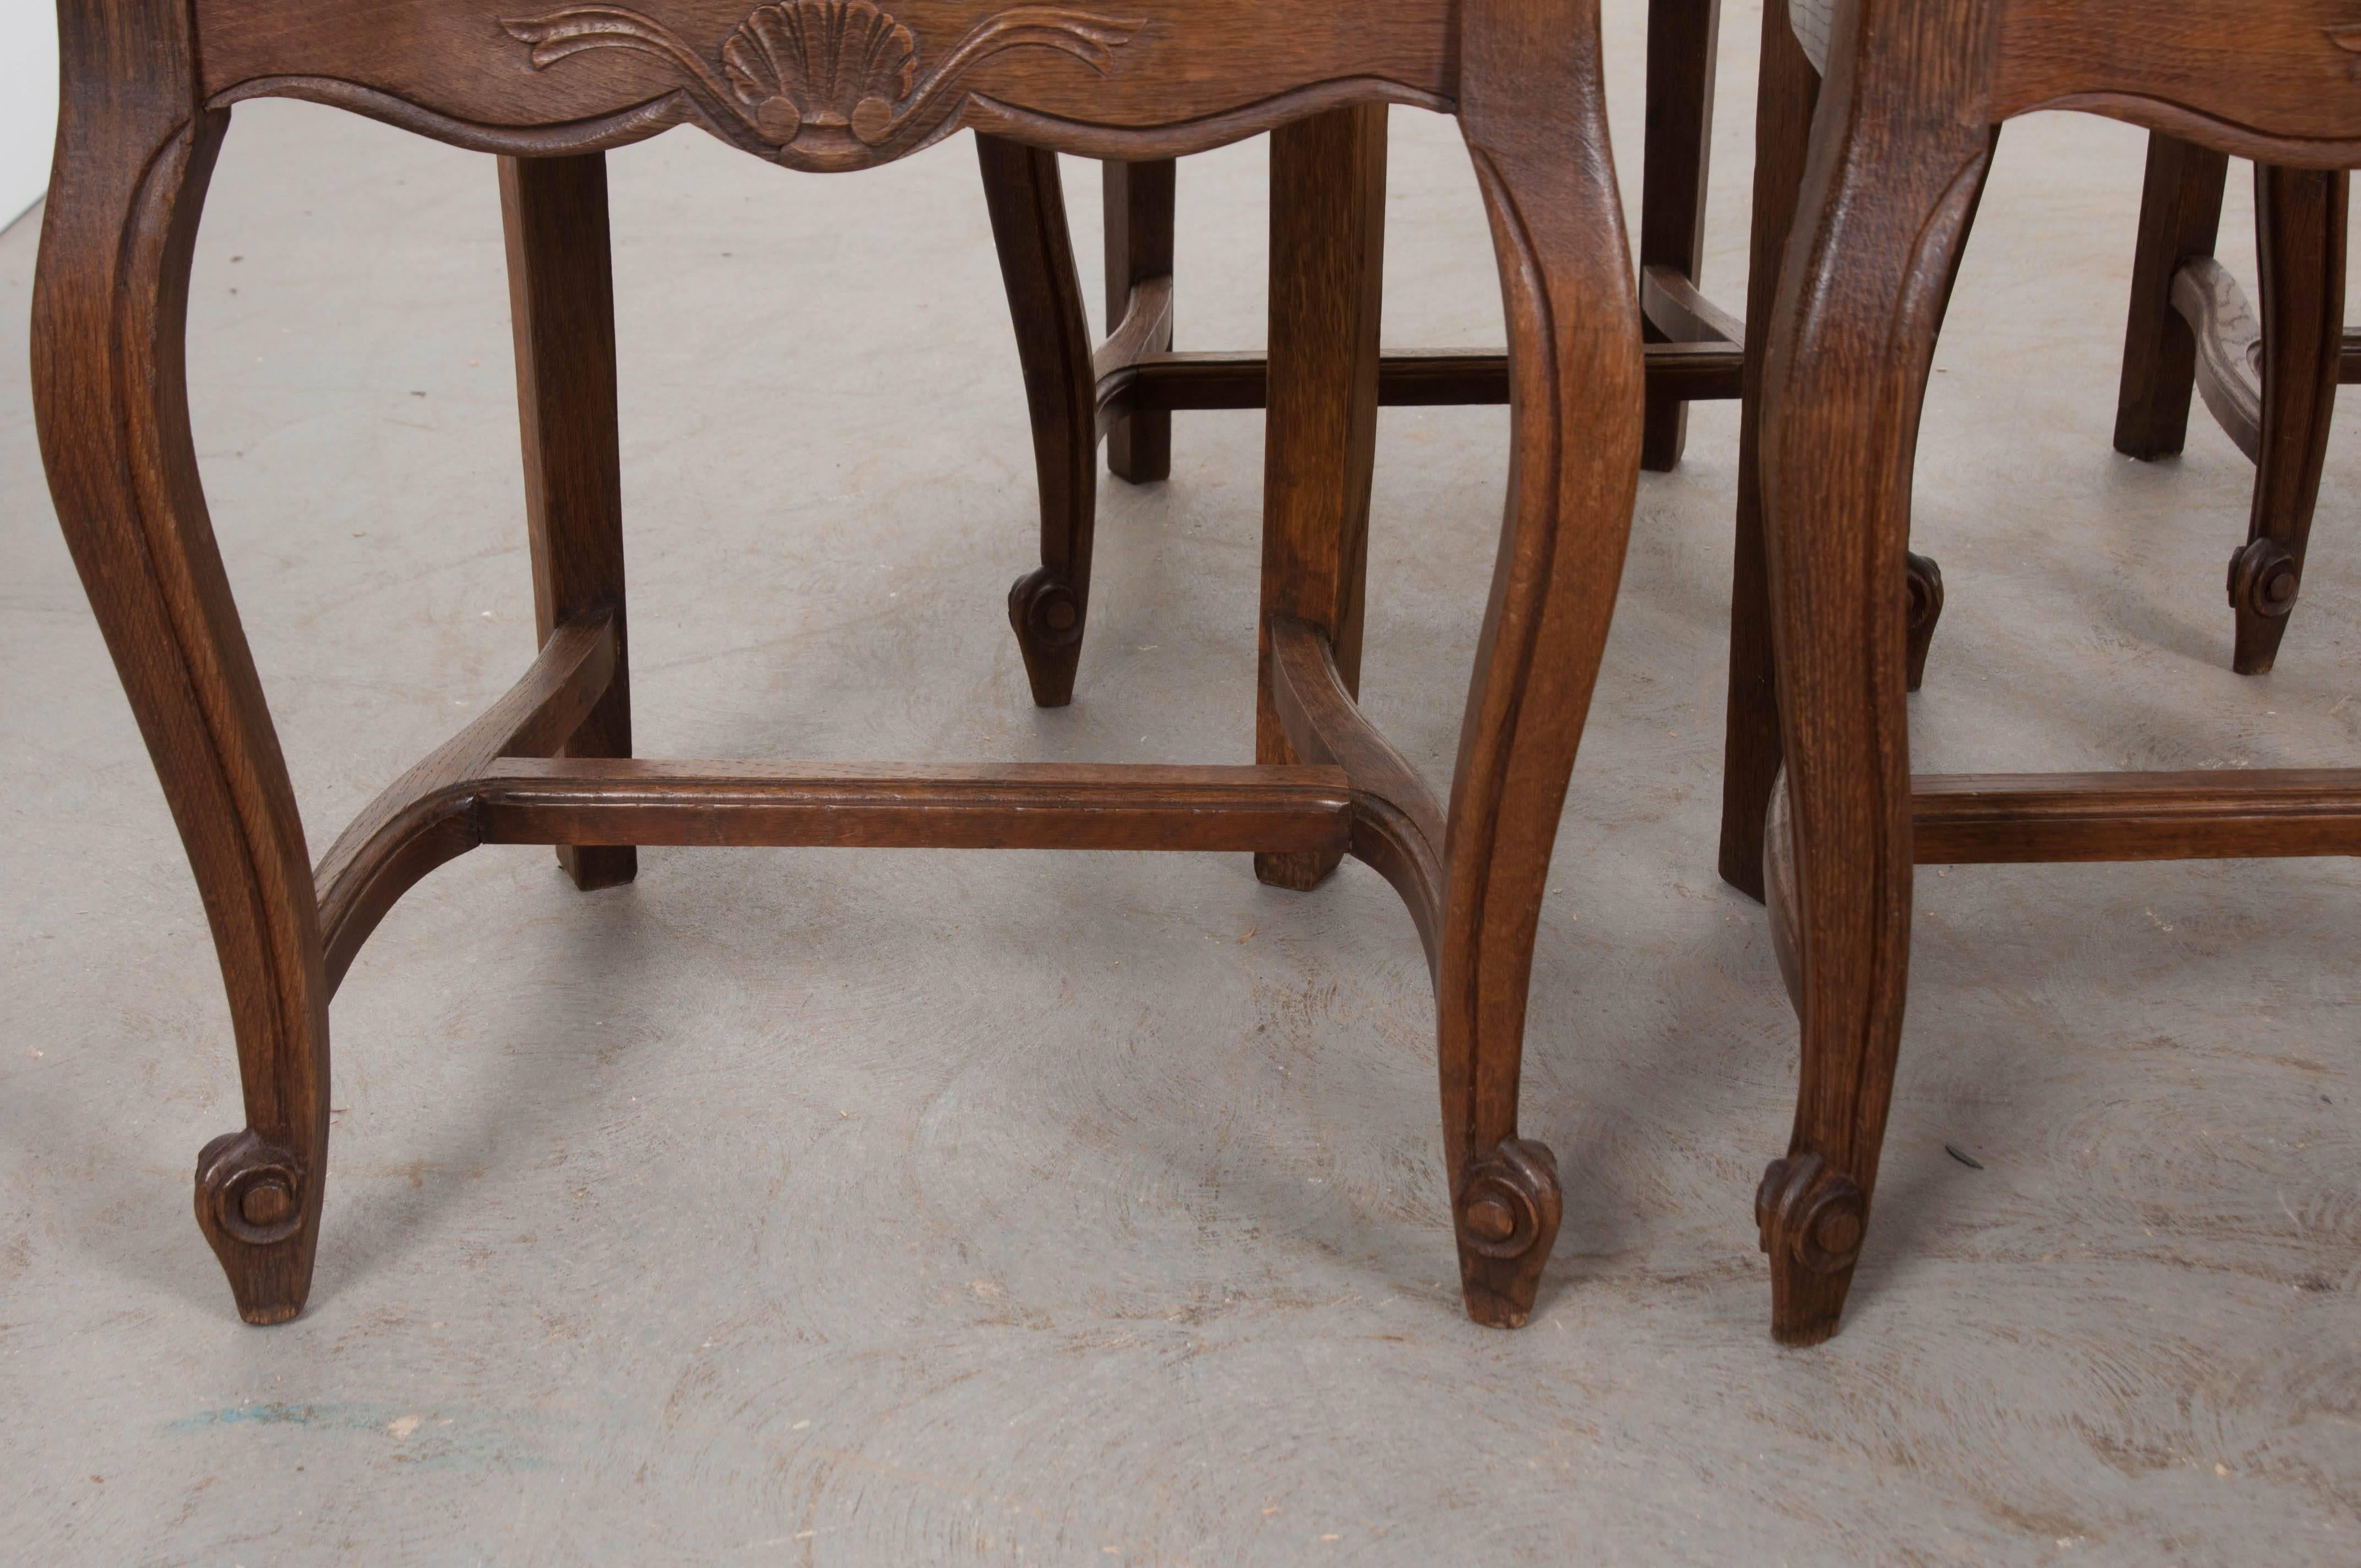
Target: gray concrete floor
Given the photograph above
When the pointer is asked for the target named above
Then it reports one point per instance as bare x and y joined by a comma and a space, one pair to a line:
868, 1208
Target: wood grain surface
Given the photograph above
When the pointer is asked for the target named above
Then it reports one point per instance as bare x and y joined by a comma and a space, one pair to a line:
1135, 1233
840, 86
1149, 77
1891, 185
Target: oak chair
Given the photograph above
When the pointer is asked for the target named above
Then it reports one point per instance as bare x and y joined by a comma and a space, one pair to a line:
1125, 392
1896, 157
2190, 326
843, 85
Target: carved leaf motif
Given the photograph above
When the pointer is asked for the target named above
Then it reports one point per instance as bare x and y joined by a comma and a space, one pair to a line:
838, 76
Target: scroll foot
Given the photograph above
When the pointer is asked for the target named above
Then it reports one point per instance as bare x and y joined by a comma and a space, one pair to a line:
1508, 1208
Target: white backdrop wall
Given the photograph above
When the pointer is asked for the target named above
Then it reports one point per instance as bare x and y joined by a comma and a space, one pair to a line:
28, 101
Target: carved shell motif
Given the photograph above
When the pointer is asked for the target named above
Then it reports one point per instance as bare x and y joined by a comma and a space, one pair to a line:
841, 77
831, 62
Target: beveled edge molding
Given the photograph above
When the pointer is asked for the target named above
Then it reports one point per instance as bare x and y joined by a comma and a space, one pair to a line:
1397, 827
597, 134
824, 83
2206, 129
441, 810
652, 117
1184, 139
410, 827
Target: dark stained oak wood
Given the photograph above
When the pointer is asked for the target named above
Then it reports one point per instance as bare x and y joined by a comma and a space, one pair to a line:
2001, 818
1430, 378
2015, 818
2190, 324
1786, 97
1115, 367
1787, 94
562, 309
1890, 195
1674, 308
148, 86
1008, 805
1327, 262
2299, 222
2180, 217
1899, 149
1048, 607
1533, 112
2289, 102
110, 400
1923, 588
1139, 209
1143, 79
1397, 825
1693, 349
390, 845
1683, 38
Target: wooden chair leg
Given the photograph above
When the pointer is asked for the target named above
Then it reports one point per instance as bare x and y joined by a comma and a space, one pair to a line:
1788, 93
1888, 195
1048, 607
561, 309
1139, 205
2300, 218
111, 400
2180, 217
1789, 96
1922, 578
1328, 255
1535, 124
1682, 36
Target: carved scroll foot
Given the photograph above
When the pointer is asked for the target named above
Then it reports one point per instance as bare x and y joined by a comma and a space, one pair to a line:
1926, 590
2264, 575
1811, 1221
1028, 203
253, 1206
1047, 615
2299, 232
1507, 1206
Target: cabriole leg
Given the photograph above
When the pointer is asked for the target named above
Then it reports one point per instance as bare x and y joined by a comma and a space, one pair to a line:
1328, 255
110, 397
1047, 606
562, 307
1888, 191
1536, 128
2300, 220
